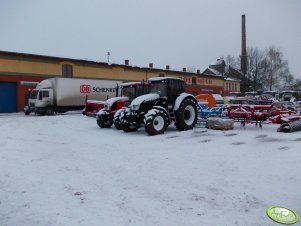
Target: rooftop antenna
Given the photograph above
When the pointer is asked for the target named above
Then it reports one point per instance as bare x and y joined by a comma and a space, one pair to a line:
108, 57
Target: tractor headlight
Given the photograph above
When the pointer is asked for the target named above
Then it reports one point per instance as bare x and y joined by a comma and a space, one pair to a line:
135, 107
106, 107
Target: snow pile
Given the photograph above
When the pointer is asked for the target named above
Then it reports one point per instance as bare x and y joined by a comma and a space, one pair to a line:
66, 171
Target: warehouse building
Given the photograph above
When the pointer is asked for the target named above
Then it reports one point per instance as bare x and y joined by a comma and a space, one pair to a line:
20, 73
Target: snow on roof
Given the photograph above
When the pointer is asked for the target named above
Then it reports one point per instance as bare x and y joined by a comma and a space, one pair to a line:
270, 91
216, 72
231, 79
96, 102
217, 97
288, 91
162, 78
130, 83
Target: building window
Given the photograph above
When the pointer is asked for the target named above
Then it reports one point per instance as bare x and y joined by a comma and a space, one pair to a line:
161, 75
235, 87
193, 80
67, 71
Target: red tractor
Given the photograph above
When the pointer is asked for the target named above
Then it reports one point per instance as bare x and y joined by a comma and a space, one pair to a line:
127, 92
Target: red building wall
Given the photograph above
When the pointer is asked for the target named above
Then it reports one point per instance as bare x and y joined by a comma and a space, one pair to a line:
195, 90
21, 89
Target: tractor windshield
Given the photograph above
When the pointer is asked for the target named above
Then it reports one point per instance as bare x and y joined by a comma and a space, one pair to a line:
133, 91
128, 91
159, 87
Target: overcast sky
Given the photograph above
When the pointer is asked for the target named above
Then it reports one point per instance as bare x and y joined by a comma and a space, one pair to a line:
164, 32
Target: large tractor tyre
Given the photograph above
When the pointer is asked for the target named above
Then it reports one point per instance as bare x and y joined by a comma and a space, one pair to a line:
155, 122
117, 121
187, 115
49, 111
104, 121
129, 127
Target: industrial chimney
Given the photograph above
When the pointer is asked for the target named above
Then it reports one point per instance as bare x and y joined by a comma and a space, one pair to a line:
243, 57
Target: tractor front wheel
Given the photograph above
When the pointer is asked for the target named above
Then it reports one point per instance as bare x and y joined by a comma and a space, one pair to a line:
117, 120
104, 121
155, 122
129, 127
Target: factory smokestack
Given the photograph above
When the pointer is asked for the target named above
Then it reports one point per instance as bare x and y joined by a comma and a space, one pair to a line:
243, 57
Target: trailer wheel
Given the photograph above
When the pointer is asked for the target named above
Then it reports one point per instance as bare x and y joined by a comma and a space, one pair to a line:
49, 111
26, 112
104, 121
155, 122
186, 115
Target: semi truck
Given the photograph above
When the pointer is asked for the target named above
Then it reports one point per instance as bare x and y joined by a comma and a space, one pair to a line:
59, 95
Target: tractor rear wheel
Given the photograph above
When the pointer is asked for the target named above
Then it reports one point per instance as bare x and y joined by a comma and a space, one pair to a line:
155, 122
187, 115
104, 121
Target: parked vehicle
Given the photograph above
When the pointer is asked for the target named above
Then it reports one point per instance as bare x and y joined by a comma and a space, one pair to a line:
290, 95
128, 91
92, 107
251, 95
167, 102
59, 95
270, 95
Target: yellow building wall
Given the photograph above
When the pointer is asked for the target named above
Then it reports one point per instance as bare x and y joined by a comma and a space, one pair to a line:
204, 81
37, 68
232, 86
32, 67
50, 69
114, 72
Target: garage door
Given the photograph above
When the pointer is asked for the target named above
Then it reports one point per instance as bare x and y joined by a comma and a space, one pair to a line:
8, 97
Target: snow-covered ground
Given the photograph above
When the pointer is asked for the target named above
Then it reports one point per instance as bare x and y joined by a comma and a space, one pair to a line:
66, 171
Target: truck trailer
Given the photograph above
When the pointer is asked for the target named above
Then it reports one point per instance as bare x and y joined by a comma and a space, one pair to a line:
59, 95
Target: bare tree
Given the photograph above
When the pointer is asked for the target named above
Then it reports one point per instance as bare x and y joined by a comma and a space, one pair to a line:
297, 84
274, 68
287, 79
266, 69
254, 69
231, 60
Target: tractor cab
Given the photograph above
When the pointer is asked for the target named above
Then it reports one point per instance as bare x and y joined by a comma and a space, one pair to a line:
166, 87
